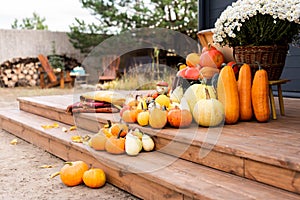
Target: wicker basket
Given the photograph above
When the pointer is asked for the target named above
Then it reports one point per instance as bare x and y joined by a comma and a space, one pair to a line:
271, 58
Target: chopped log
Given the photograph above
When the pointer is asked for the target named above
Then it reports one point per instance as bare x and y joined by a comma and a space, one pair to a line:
7, 71
21, 76
14, 78
32, 82
35, 76
30, 72
28, 77
11, 84
25, 71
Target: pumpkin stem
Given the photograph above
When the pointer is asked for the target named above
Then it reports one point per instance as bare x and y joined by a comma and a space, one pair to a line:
223, 65
108, 125
259, 66
209, 45
120, 131
204, 81
207, 94
69, 163
137, 96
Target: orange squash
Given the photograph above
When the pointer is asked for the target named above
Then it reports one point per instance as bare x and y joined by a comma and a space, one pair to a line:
115, 144
71, 173
260, 95
130, 115
94, 178
179, 118
227, 92
98, 141
244, 88
116, 127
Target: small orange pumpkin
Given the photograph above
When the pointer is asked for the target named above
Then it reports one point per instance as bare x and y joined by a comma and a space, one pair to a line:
71, 173
115, 144
116, 127
94, 178
179, 118
130, 115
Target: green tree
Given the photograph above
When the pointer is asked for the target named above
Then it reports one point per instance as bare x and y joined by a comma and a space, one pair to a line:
35, 22
116, 16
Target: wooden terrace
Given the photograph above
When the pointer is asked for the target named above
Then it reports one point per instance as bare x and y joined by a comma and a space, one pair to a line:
248, 160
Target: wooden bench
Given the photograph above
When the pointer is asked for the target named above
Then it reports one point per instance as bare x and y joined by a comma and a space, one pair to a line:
53, 81
109, 68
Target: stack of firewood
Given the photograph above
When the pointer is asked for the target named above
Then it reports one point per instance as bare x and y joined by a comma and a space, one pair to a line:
20, 72
25, 71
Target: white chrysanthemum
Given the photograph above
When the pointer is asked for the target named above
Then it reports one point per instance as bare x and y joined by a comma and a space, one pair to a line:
234, 16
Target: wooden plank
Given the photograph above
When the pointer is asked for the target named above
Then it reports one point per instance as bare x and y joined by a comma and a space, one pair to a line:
169, 177
279, 177
214, 159
236, 143
45, 111
238, 140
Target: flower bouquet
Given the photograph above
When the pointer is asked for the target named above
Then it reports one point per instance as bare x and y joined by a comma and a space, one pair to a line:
262, 28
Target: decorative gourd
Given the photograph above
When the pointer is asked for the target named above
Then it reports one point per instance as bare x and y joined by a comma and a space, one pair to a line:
214, 80
260, 95
143, 117
208, 111
163, 100
184, 105
192, 73
116, 127
193, 59
196, 92
176, 94
179, 118
98, 141
115, 144
157, 117
94, 178
228, 94
244, 88
71, 173
130, 115
211, 57
106, 129
208, 72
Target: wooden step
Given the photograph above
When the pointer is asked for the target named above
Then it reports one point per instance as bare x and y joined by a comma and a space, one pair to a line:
151, 175
264, 152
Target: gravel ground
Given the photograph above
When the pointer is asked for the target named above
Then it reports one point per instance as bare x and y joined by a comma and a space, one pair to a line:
21, 175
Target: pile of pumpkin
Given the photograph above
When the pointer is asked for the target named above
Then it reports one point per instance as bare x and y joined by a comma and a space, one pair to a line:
78, 172
116, 138
156, 110
226, 93
228, 98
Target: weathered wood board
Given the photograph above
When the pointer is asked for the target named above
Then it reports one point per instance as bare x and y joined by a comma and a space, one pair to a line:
232, 148
150, 175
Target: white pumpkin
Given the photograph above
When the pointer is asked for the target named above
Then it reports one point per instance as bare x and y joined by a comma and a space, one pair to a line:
196, 92
209, 112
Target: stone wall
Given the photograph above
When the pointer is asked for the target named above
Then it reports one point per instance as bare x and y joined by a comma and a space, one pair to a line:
30, 43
